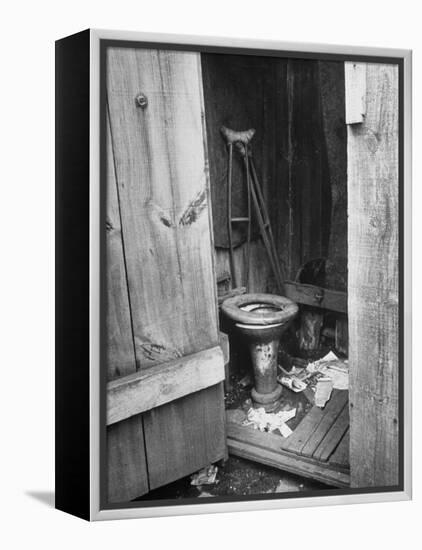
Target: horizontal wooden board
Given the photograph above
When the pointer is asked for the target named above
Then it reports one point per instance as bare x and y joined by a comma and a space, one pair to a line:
266, 448
316, 296
163, 383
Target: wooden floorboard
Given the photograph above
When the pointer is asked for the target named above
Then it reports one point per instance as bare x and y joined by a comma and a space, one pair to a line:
340, 456
266, 448
333, 436
295, 442
318, 448
330, 414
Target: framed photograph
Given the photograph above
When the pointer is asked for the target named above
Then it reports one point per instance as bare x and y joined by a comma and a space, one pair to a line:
233, 274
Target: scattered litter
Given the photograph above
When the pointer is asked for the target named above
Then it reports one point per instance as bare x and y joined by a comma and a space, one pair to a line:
323, 391
331, 367
268, 422
321, 363
293, 383
206, 476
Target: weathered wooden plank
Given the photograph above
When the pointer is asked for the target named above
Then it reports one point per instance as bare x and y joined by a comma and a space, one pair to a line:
342, 334
126, 460
355, 85
120, 350
289, 463
373, 190
161, 174
335, 133
295, 442
266, 448
185, 435
160, 384
309, 195
340, 457
333, 436
161, 177
316, 296
331, 412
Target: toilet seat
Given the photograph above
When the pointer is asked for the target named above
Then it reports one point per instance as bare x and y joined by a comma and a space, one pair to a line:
285, 309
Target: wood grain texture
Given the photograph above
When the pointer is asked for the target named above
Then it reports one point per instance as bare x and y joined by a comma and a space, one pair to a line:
295, 442
309, 193
331, 412
185, 435
260, 275
312, 295
230, 100
312, 430
267, 448
355, 86
334, 435
162, 181
341, 455
126, 460
120, 351
155, 386
335, 134
374, 283
161, 177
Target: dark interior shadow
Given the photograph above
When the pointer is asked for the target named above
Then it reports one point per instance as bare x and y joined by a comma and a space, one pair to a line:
45, 497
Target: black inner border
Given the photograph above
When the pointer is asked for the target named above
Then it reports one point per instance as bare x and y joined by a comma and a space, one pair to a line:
104, 44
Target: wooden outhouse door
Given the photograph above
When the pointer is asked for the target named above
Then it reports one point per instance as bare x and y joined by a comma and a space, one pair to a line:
165, 404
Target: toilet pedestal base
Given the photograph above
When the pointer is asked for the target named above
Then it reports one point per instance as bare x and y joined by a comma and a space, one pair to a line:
268, 401
263, 346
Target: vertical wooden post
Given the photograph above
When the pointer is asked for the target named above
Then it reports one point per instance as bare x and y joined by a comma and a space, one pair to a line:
373, 195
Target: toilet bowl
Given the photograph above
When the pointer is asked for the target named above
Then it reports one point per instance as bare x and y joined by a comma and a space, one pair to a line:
262, 319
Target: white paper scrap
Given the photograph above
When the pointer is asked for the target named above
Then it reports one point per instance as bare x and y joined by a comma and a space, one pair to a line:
268, 422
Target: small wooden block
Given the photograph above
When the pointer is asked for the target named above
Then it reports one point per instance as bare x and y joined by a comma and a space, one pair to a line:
355, 85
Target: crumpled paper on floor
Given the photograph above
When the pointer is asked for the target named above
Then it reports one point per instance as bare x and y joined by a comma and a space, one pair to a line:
206, 476
332, 367
268, 422
293, 383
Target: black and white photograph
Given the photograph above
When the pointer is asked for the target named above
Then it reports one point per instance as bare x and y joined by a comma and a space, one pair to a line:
209, 317
252, 287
